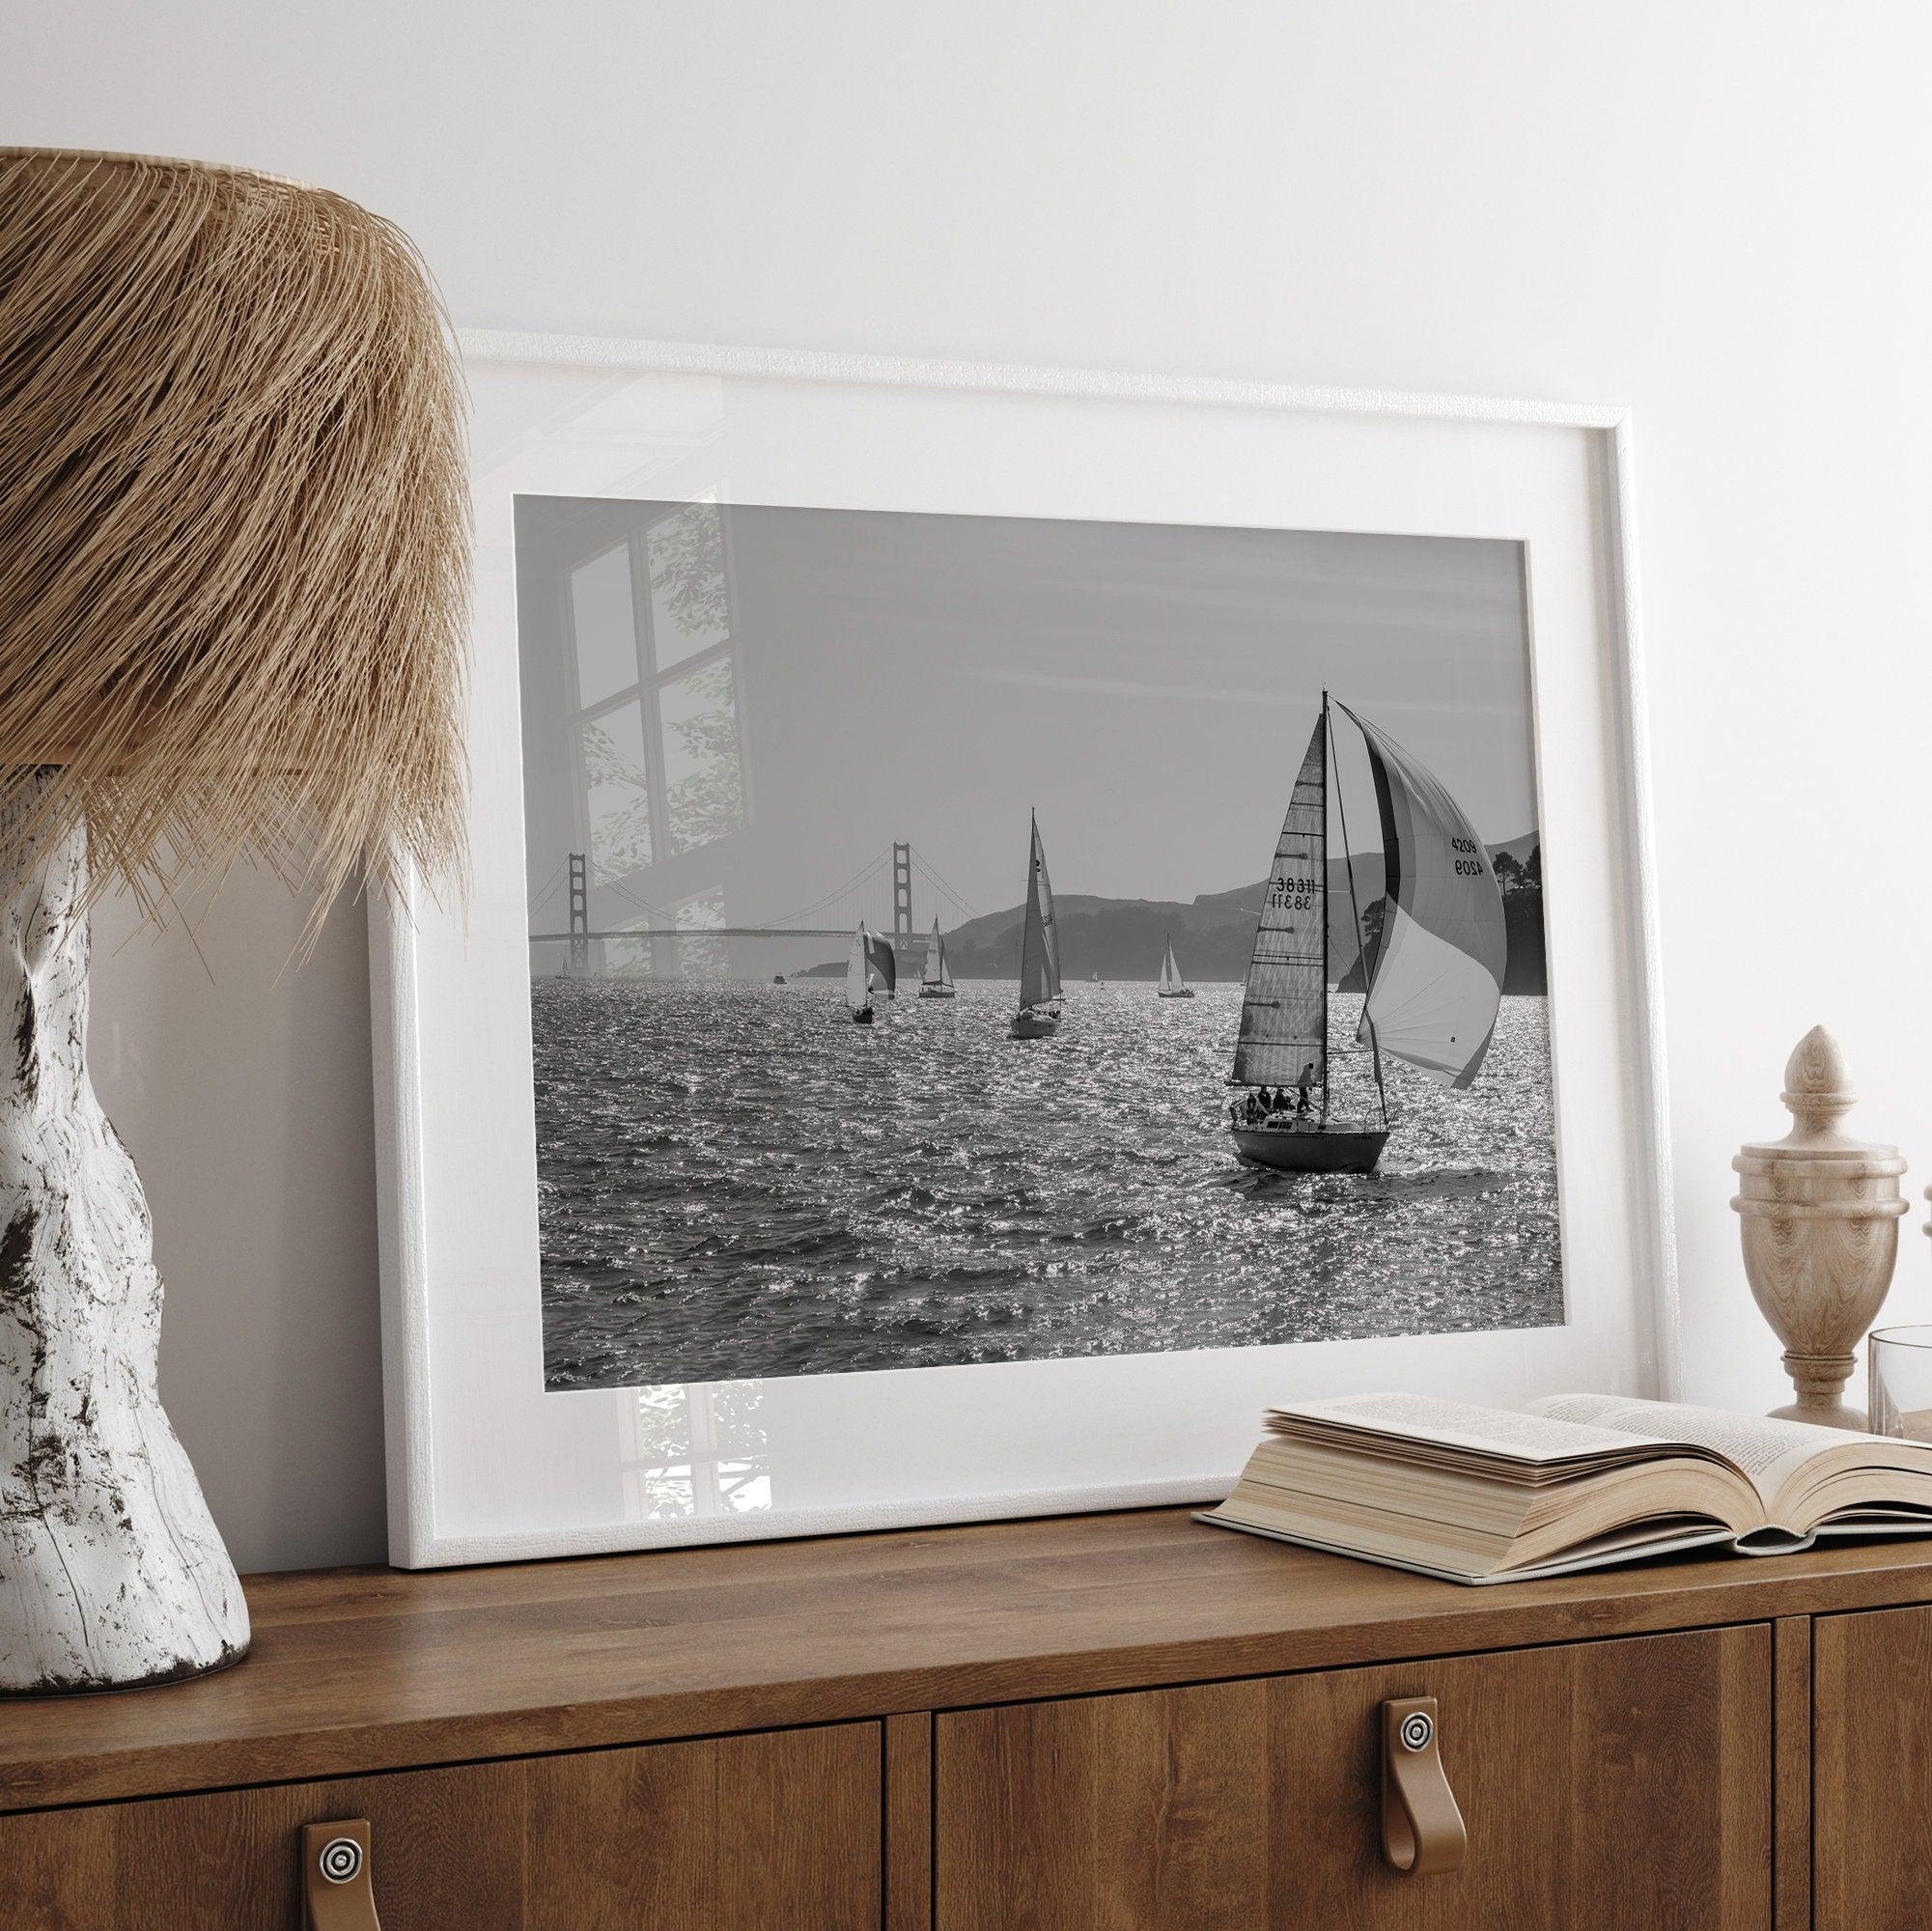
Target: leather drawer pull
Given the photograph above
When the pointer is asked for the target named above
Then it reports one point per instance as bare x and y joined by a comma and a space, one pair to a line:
335, 1878
1422, 1828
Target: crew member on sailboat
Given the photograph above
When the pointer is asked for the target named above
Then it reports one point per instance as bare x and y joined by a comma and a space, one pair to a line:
1039, 1013
1437, 976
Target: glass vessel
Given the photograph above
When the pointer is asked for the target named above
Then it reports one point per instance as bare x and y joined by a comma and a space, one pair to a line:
1901, 1381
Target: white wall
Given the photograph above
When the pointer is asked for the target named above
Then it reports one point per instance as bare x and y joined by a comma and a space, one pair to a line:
1713, 210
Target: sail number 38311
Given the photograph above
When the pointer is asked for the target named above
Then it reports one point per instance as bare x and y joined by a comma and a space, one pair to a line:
1297, 894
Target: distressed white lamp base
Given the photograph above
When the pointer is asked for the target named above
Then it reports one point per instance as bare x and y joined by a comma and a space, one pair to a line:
111, 1571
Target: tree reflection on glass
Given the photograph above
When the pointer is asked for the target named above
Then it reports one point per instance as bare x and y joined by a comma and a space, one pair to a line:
617, 793
704, 789
699, 1451
703, 958
690, 598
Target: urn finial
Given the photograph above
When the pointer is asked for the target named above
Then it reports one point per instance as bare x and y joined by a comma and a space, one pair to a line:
1817, 1089
1820, 1212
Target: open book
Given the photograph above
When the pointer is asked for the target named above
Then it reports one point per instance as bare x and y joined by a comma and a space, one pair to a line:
1491, 1495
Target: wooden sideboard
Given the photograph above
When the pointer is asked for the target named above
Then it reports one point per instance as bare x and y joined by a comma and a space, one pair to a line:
1103, 1721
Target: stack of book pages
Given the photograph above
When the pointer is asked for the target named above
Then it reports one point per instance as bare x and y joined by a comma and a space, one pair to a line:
1491, 1495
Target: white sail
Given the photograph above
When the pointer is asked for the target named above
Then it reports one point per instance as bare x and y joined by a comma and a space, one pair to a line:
1040, 938
937, 972
1283, 1009
1172, 981
857, 972
1438, 978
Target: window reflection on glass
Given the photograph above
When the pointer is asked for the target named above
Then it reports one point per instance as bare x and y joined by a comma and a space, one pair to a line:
652, 707
697, 1451
704, 793
604, 627
617, 792
691, 606
701, 958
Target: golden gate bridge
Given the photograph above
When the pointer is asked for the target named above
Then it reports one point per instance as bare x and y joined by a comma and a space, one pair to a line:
896, 891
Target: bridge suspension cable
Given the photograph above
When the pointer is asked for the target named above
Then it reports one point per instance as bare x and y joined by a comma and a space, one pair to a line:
550, 885
864, 875
941, 889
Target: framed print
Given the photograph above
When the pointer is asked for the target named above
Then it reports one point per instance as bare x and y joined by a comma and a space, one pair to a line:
1018, 917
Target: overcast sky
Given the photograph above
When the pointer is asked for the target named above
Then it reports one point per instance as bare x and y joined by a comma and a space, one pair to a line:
1150, 688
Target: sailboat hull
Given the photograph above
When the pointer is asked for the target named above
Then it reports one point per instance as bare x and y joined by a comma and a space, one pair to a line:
1032, 1025
1179, 993
937, 993
1311, 1149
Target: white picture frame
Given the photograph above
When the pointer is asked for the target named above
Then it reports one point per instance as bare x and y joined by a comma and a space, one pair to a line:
486, 1465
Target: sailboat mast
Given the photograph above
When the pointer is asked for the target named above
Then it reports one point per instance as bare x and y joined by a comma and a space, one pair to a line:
1360, 940
1327, 759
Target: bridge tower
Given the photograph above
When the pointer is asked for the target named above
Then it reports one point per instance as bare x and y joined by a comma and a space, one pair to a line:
579, 916
901, 890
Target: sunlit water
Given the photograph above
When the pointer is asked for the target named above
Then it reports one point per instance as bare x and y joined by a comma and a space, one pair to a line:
735, 1181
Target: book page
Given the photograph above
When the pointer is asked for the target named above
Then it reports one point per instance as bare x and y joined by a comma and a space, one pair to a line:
1765, 1451
1507, 1432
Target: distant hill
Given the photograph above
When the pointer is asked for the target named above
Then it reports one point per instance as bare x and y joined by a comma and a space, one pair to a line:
1123, 939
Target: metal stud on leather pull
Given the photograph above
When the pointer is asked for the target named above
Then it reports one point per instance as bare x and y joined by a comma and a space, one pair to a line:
336, 1891
1422, 1828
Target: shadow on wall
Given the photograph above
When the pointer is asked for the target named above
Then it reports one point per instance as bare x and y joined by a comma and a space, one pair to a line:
242, 1087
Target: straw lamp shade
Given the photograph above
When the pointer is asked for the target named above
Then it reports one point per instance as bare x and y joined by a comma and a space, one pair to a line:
232, 588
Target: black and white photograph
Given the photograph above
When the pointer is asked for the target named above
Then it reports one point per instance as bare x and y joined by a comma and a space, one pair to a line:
965, 939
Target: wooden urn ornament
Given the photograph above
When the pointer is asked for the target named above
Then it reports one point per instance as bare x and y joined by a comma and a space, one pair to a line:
1820, 1214
233, 570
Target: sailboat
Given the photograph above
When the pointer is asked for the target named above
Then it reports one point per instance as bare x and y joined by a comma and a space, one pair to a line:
1436, 984
1172, 985
1039, 1013
859, 979
870, 962
936, 981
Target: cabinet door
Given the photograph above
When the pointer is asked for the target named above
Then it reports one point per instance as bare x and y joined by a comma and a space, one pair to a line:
1605, 1786
744, 1834
1871, 1770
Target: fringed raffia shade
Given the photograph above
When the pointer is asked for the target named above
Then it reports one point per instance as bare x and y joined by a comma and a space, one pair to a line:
233, 529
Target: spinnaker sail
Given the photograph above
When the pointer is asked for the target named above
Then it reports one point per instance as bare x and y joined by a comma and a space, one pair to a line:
1439, 967
882, 963
1040, 938
858, 974
1283, 1009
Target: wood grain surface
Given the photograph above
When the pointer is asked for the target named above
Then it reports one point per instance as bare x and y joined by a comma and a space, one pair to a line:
1791, 1754
744, 1834
1871, 1770
356, 1671
1612, 1786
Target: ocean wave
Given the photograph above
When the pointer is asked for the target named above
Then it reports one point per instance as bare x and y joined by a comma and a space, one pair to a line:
736, 1181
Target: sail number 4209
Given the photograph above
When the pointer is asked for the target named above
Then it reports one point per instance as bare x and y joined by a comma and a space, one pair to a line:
1468, 861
